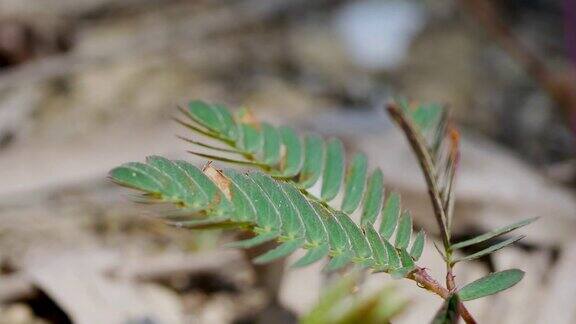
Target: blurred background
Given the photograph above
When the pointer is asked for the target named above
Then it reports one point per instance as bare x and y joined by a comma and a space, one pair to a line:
88, 84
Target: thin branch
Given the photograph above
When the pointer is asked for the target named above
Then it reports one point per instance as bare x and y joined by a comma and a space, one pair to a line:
418, 145
424, 280
454, 161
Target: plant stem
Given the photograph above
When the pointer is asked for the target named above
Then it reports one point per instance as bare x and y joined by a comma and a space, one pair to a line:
424, 280
427, 166
420, 149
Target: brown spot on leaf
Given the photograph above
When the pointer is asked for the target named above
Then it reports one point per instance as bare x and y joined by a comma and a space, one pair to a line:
282, 157
218, 178
246, 116
454, 143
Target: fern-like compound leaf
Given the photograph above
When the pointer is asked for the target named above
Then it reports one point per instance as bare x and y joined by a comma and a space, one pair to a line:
274, 208
278, 205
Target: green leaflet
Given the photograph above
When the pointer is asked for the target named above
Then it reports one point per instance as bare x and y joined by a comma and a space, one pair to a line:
337, 236
390, 215
280, 251
316, 234
491, 284
393, 258
404, 231
418, 245
493, 234
373, 198
198, 129
406, 259
333, 170
489, 250
341, 253
294, 157
275, 216
267, 217
201, 196
314, 153
314, 227
173, 189
254, 241
426, 116
140, 176
314, 254
378, 250
271, 146
291, 224
338, 261
228, 125
202, 223
448, 313
174, 181
251, 138
214, 117
205, 115
181, 188
360, 245
244, 209
218, 203
355, 182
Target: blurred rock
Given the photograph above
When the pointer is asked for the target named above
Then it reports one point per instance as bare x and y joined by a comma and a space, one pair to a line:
76, 281
18, 314
377, 34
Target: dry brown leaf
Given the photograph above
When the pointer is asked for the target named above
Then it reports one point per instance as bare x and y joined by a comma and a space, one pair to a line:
218, 178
